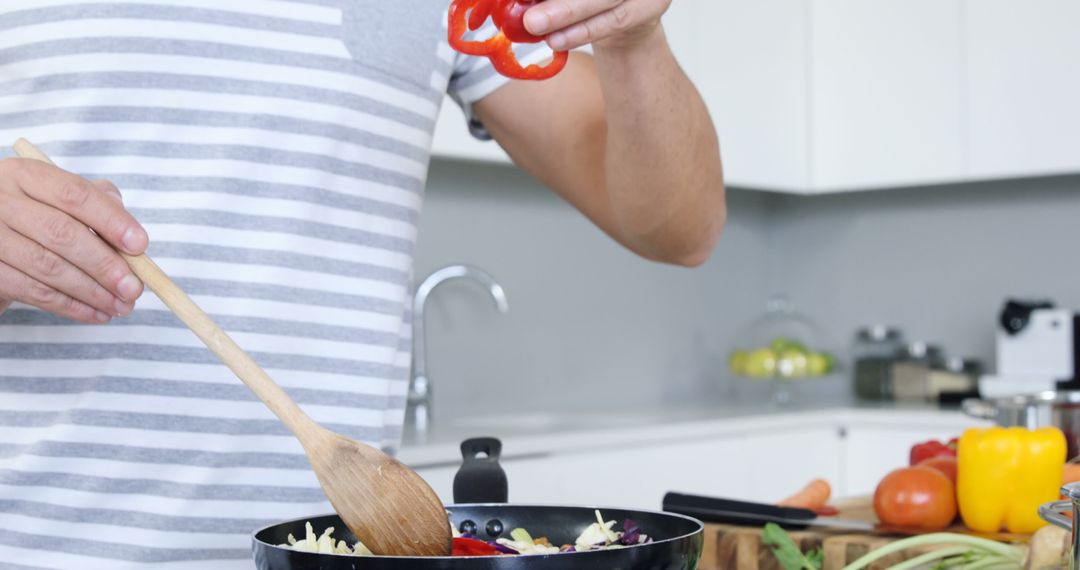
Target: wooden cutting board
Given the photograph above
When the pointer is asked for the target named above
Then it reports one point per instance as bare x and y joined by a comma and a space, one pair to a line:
730, 547
739, 548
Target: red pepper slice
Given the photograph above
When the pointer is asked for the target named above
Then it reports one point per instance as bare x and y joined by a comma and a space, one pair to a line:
469, 15
929, 449
506, 63
463, 546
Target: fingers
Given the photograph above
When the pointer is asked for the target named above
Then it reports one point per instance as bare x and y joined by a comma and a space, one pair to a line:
94, 204
68, 238
109, 189
570, 24
50, 269
553, 15
17, 286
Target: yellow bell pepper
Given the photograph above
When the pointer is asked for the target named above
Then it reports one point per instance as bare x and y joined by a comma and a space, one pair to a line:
1004, 474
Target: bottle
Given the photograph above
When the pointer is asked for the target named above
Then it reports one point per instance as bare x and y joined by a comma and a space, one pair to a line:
911, 372
875, 350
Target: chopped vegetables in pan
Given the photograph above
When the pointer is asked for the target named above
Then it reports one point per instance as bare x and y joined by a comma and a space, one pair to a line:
598, 536
325, 544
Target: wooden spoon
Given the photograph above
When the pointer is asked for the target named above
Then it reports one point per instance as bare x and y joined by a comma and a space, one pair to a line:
383, 502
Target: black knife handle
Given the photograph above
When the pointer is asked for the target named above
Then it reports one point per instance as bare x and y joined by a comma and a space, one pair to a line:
715, 509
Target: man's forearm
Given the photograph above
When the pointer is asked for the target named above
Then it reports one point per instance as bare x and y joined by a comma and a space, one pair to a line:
663, 171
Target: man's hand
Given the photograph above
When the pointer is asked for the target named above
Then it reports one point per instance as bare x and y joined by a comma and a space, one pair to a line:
49, 258
570, 24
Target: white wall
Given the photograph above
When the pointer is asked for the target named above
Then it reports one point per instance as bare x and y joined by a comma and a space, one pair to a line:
936, 261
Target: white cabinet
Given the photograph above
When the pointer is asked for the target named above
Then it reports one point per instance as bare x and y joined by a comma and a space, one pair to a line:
748, 60
871, 453
1023, 87
758, 459
830, 95
886, 93
777, 464
814, 96
764, 466
635, 477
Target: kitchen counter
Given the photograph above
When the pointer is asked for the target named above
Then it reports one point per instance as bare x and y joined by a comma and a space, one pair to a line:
544, 433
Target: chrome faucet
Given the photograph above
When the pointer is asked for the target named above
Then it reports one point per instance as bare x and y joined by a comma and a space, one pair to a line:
418, 408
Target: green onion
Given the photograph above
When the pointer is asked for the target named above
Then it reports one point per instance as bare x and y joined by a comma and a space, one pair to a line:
991, 554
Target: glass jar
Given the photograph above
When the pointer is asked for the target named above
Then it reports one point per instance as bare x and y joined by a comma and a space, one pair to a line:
782, 346
875, 350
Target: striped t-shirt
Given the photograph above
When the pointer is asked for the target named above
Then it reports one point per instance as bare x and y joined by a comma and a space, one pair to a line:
276, 151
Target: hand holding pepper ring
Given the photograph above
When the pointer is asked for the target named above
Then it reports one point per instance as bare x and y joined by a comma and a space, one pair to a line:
508, 17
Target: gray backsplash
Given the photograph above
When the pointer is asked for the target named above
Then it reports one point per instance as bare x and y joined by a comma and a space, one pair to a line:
592, 326
936, 261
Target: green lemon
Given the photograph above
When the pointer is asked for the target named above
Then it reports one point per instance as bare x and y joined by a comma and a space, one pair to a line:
737, 362
760, 363
817, 364
793, 364
782, 344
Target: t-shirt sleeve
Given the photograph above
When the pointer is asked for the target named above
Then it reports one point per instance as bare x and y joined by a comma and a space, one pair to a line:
474, 78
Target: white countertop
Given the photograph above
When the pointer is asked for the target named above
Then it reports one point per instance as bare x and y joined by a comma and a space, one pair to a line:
544, 433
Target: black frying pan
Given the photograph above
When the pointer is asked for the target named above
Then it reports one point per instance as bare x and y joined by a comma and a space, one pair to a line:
677, 542
677, 539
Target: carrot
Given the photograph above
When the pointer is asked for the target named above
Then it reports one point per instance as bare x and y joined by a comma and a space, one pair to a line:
813, 496
1072, 473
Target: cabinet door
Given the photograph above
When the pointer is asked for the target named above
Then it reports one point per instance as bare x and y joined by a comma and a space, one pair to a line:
870, 453
887, 93
453, 140
634, 478
1024, 87
630, 478
780, 463
749, 60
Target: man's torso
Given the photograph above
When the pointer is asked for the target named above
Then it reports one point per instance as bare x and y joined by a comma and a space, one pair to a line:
276, 152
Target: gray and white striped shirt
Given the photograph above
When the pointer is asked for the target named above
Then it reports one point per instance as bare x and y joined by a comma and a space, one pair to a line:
276, 151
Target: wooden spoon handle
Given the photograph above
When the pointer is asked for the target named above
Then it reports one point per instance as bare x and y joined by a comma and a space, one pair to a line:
217, 340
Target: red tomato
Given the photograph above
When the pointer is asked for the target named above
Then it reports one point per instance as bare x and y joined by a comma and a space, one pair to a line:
946, 465
509, 16
919, 498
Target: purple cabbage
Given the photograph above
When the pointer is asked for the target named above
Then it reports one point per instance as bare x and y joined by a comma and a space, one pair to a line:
631, 533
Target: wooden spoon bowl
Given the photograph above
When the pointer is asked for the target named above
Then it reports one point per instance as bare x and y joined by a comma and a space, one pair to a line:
383, 502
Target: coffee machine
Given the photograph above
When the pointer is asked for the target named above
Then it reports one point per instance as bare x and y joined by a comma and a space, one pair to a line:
1038, 350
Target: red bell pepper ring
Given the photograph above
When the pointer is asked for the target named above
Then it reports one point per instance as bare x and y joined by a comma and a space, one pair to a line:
463, 546
508, 17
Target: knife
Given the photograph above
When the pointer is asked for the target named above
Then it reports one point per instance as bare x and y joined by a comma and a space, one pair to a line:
715, 509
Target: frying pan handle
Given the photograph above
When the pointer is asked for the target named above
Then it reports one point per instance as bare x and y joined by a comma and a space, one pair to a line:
481, 479
714, 509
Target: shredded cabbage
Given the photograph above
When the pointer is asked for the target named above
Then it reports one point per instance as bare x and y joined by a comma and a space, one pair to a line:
325, 543
597, 536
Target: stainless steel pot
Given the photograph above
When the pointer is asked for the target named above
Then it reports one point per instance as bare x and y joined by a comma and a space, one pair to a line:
1055, 514
1054, 409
